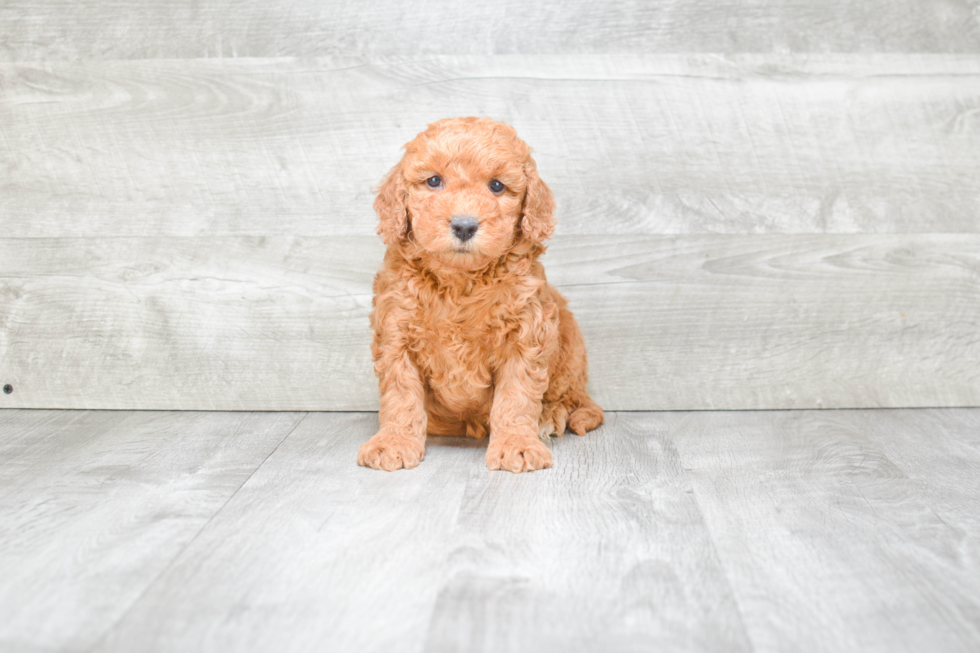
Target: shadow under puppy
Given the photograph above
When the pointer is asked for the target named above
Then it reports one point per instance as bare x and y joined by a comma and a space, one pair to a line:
468, 335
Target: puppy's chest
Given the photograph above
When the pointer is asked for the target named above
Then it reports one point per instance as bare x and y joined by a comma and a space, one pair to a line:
458, 344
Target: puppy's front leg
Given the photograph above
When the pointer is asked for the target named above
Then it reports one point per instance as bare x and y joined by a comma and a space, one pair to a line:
514, 443
401, 440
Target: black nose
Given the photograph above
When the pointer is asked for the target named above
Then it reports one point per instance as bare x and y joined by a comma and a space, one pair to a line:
464, 227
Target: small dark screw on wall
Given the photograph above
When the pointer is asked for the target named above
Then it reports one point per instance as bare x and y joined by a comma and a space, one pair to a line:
7, 389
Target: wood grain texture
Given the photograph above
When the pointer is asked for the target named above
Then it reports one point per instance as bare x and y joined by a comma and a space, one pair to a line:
126, 29
817, 496
674, 323
94, 506
671, 144
608, 551
188, 323
953, 496
739, 531
723, 322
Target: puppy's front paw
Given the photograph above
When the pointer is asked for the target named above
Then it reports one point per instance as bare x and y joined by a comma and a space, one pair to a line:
518, 454
390, 451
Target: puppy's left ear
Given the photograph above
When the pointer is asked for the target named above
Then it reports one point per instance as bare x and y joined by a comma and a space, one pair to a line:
537, 213
391, 208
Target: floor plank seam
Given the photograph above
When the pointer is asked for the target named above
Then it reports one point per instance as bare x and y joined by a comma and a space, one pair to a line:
173, 560
753, 646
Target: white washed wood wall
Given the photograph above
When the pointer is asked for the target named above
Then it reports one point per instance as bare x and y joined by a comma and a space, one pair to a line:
761, 205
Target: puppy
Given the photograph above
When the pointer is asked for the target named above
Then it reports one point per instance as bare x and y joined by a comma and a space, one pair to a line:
468, 335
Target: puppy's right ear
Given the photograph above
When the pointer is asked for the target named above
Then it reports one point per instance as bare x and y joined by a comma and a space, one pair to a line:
391, 208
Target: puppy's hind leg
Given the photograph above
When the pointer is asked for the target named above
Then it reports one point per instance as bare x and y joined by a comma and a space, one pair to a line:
553, 419
578, 413
587, 416
569, 376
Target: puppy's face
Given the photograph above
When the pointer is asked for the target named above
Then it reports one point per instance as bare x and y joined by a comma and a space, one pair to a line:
464, 191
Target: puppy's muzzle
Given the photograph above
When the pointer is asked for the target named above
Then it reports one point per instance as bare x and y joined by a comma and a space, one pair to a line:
464, 227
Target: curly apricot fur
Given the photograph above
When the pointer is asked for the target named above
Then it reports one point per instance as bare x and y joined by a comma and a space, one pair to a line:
469, 338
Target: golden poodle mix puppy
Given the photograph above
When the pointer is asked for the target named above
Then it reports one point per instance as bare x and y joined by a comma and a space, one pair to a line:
468, 335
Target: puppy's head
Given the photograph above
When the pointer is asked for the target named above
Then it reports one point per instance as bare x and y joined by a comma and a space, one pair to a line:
465, 192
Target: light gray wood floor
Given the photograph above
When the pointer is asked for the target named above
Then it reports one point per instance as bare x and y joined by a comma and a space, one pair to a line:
708, 531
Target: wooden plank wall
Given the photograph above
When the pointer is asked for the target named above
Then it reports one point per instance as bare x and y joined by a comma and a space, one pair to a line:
761, 205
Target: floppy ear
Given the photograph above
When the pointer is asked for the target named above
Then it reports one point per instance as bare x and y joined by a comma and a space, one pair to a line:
537, 214
390, 207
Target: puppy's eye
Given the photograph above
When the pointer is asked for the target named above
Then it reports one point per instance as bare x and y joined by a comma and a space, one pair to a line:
434, 182
496, 186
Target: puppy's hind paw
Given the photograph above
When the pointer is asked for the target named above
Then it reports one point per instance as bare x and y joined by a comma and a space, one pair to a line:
585, 418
